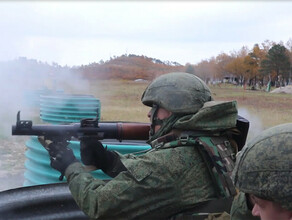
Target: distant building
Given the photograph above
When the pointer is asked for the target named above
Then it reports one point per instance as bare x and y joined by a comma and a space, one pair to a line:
230, 79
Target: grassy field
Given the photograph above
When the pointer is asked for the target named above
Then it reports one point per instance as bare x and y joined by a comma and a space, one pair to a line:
271, 109
120, 100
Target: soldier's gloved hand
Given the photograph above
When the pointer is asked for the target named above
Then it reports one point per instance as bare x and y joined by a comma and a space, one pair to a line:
60, 155
94, 154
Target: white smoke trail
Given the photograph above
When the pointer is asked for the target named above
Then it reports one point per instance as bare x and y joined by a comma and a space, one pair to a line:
22, 81
255, 124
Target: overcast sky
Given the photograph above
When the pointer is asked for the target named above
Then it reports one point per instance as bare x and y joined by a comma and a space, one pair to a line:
82, 32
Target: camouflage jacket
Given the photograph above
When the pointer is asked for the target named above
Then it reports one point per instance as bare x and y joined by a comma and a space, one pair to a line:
156, 185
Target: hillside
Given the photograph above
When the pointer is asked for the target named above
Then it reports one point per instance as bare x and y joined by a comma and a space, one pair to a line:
129, 67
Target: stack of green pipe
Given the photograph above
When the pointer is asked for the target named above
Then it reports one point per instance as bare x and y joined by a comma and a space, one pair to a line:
60, 109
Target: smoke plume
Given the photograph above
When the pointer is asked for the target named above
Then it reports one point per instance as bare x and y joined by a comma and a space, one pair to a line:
255, 124
23, 80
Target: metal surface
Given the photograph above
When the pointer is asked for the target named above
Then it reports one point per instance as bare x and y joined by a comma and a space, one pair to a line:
52, 201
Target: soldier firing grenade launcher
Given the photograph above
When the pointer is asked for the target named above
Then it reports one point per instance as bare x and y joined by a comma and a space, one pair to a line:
87, 127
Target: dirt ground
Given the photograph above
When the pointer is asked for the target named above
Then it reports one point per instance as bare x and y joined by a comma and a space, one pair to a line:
12, 159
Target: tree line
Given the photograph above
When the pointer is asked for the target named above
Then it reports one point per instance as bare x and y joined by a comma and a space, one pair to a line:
268, 62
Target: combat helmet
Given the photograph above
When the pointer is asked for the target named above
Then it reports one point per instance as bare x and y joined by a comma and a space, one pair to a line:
177, 92
264, 166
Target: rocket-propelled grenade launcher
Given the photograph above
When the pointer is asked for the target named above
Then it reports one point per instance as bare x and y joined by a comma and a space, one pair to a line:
86, 127
63, 133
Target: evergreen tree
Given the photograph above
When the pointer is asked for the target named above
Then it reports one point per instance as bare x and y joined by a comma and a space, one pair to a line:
276, 63
190, 68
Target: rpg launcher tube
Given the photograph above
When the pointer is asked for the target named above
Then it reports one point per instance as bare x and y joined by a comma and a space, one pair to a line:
104, 130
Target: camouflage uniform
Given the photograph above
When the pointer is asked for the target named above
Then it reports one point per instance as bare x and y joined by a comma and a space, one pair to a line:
264, 168
170, 178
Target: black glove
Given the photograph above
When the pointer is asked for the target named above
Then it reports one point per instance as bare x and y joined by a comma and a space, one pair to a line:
93, 153
60, 155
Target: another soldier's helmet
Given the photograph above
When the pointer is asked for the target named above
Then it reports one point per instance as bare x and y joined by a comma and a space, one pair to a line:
264, 166
177, 92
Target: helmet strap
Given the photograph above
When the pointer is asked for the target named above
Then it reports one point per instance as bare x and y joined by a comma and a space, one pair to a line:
166, 127
154, 120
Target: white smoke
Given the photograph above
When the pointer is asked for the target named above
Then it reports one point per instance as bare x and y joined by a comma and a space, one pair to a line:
255, 124
22, 81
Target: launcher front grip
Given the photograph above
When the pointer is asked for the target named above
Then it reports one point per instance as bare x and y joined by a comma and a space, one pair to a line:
102, 130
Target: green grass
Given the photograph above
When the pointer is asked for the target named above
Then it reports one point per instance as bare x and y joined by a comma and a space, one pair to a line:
120, 101
270, 108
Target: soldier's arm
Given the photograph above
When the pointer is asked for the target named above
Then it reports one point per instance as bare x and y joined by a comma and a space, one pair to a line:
129, 195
